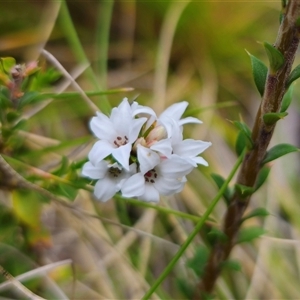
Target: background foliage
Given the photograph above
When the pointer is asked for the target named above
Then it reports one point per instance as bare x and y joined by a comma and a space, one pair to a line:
119, 253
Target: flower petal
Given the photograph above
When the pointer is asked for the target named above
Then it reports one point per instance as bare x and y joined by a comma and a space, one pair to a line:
163, 146
189, 120
175, 111
135, 129
105, 189
147, 158
168, 186
122, 154
100, 150
121, 117
174, 167
133, 186
94, 172
200, 161
102, 127
150, 194
190, 147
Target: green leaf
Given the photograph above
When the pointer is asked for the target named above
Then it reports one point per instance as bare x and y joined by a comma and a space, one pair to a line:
27, 98
262, 177
245, 129
249, 234
272, 118
276, 59
287, 99
231, 264
278, 151
67, 191
295, 74
219, 180
217, 234
7, 63
198, 262
244, 190
185, 287
259, 71
258, 212
4, 79
242, 141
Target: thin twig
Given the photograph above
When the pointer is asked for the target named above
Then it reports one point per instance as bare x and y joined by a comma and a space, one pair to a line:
58, 65
18, 285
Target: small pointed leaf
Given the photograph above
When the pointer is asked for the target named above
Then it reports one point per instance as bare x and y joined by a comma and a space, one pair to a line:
244, 190
219, 180
218, 234
278, 151
258, 212
198, 262
245, 129
259, 71
231, 264
7, 63
295, 74
262, 177
272, 118
249, 234
276, 59
242, 142
287, 99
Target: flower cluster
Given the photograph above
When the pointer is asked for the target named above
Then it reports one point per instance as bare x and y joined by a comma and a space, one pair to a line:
142, 155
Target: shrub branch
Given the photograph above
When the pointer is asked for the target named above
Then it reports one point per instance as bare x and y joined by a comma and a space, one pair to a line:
276, 84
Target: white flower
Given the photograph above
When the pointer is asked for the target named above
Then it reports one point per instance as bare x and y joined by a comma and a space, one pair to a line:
116, 134
188, 149
167, 118
166, 178
110, 178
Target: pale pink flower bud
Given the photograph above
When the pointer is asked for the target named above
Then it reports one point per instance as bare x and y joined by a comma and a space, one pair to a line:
156, 134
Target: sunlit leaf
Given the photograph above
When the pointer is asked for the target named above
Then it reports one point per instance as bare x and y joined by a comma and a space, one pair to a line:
7, 63
27, 206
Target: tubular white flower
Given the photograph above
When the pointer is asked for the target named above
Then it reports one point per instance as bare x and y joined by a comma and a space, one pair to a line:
109, 178
166, 178
116, 134
188, 149
167, 118
133, 133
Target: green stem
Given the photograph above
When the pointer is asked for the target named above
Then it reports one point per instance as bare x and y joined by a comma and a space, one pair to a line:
67, 25
102, 39
197, 228
160, 209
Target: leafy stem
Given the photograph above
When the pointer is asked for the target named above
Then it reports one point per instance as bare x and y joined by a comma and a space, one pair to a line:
286, 43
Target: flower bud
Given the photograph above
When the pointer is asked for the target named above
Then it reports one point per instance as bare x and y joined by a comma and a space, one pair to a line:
156, 134
139, 141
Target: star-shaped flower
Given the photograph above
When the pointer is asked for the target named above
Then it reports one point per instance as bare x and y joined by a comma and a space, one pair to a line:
117, 133
109, 176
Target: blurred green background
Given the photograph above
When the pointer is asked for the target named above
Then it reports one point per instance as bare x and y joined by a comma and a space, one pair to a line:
167, 51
